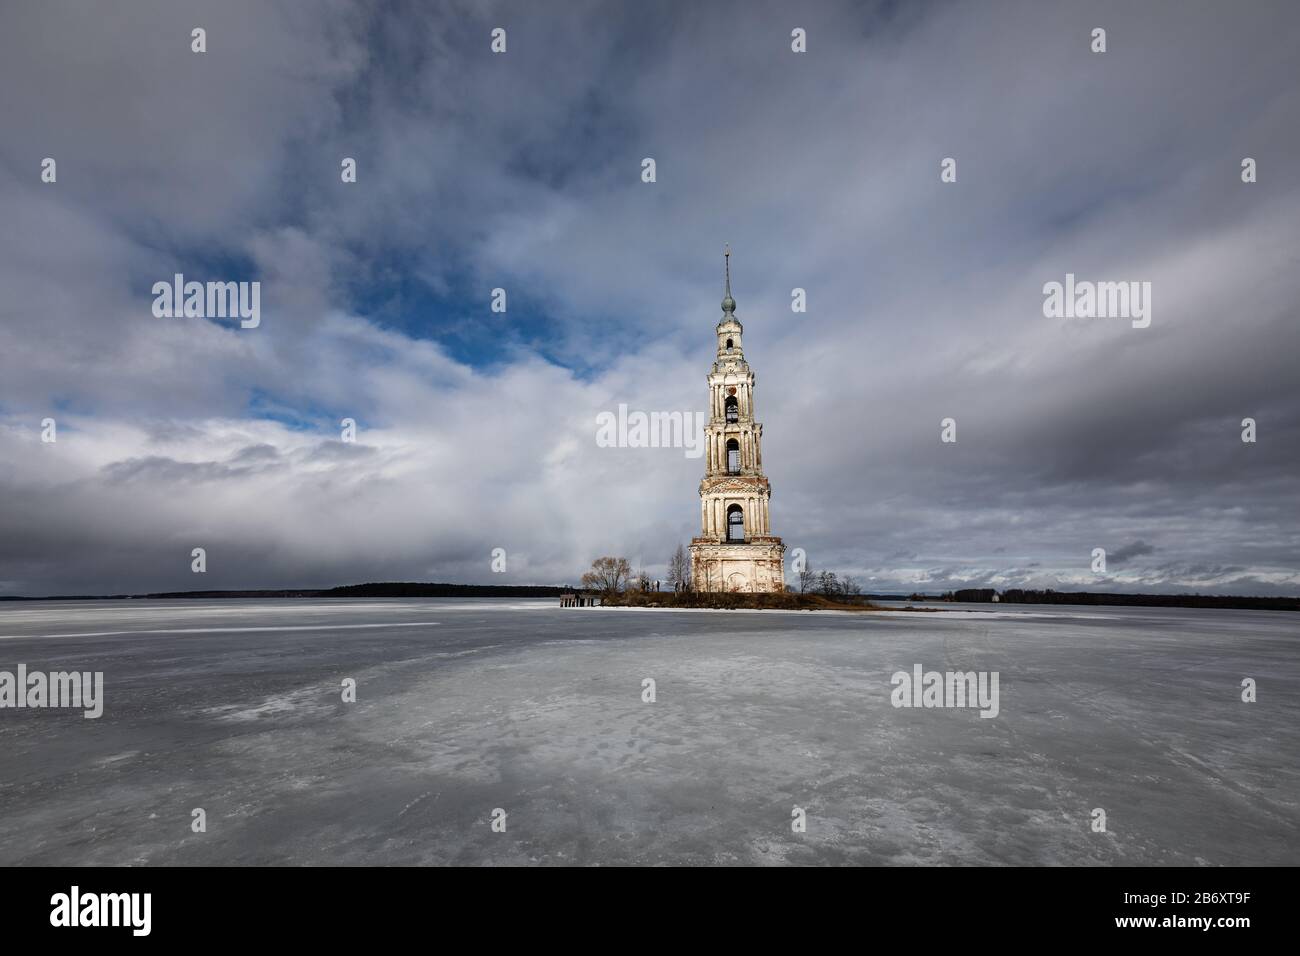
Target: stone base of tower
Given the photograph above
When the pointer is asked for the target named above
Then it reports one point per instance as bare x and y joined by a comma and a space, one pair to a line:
756, 565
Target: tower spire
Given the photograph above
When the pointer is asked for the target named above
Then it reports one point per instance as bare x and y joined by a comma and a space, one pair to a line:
728, 303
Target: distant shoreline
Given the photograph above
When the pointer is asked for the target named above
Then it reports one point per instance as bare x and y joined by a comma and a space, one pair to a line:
419, 590
399, 589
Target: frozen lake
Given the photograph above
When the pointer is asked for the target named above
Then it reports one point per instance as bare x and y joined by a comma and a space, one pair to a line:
464, 706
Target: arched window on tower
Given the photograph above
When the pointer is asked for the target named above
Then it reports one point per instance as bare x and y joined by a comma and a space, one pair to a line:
733, 410
733, 457
735, 523
729, 346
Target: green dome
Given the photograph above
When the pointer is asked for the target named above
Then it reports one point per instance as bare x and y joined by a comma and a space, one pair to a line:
728, 304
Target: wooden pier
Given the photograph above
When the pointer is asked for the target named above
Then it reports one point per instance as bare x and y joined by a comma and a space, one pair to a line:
579, 599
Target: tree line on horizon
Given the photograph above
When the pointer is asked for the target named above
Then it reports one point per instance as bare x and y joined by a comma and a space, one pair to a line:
1100, 598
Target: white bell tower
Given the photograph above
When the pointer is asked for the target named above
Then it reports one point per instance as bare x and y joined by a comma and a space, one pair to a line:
736, 550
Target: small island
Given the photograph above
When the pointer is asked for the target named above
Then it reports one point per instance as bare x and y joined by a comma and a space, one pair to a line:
738, 601
611, 583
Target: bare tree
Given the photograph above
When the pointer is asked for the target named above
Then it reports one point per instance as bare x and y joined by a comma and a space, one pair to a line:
607, 575
679, 570
827, 584
806, 578
849, 585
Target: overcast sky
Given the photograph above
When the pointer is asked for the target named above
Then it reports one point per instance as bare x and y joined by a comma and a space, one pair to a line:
522, 170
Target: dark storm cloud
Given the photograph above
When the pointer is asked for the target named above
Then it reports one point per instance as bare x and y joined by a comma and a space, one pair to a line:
522, 171
1128, 552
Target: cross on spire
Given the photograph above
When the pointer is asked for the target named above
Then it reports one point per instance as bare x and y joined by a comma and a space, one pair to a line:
728, 303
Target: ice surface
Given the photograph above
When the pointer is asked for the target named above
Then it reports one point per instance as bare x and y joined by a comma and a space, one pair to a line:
466, 706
